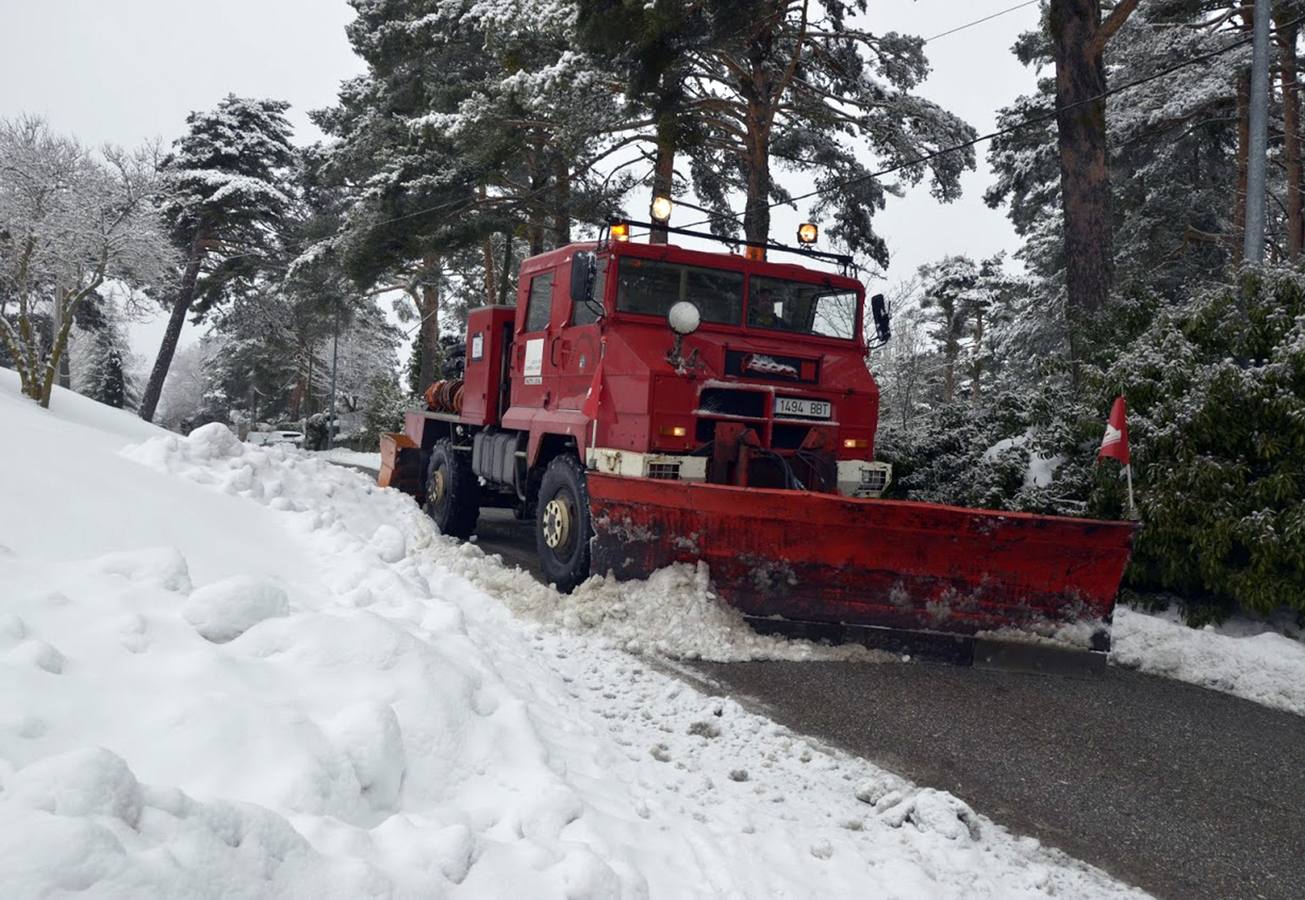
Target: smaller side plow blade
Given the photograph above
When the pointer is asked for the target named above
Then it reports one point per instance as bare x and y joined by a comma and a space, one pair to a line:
879, 563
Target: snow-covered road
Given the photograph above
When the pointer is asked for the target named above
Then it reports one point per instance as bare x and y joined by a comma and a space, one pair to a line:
238, 670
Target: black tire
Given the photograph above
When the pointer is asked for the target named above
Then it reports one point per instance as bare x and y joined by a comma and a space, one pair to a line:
452, 491
562, 525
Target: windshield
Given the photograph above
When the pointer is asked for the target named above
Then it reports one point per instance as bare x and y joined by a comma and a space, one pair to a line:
651, 287
802, 307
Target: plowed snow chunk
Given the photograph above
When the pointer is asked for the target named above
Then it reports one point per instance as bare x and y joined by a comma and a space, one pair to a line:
872, 790
224, 610
38, 654
937, 812
214, 441
369, 735
12, 628
389, 544
88, 782
161, 566
705, 729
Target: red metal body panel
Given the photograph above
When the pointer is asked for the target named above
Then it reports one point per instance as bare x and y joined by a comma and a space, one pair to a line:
820, 557
489, 331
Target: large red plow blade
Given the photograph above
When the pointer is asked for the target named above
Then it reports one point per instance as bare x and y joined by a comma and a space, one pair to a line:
880, 563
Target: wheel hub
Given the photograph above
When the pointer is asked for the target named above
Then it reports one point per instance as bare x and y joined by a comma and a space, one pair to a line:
556, 523
437, 486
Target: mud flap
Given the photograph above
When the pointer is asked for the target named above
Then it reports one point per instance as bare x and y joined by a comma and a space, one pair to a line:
401, 466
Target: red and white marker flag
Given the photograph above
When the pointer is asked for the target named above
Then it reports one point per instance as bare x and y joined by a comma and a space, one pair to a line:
592, 399
1115, 444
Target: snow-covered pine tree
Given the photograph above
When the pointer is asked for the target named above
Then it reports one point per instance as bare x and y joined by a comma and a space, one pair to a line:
654, 48
475, 123
968, 303
1172, 156
226, 198
107, 373
411, 195
800, 86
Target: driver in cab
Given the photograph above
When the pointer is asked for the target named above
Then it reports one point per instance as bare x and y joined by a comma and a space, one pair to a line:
764, 310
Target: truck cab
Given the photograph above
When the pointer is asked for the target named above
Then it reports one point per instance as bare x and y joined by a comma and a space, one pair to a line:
649, 361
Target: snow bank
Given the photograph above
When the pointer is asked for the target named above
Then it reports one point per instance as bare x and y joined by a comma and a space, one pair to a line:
1239, 658
385, 727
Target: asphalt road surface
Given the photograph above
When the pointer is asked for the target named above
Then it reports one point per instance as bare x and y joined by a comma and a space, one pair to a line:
1181, 791
1184, 792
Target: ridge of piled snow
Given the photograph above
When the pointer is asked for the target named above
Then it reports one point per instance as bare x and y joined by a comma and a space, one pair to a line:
382, 726
1241, 658
673, 613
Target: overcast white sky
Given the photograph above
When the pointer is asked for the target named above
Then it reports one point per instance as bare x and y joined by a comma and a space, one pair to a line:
124, 71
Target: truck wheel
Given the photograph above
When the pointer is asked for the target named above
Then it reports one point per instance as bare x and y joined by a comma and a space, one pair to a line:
562, 527
452, 491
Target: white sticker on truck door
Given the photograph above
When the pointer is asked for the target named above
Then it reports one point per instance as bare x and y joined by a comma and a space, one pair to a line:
533, 368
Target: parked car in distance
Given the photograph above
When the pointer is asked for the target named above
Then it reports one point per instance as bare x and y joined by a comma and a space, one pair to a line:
276, 437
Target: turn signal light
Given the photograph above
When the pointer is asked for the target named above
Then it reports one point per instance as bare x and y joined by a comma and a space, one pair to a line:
621, 231
855, 443
674, 431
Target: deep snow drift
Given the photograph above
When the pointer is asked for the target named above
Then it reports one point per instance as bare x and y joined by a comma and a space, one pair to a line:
238, 670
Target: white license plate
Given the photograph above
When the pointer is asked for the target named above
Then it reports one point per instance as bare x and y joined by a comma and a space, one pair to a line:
807, 409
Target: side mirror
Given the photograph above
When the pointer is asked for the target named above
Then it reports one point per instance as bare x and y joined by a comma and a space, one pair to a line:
582, 277
879, 312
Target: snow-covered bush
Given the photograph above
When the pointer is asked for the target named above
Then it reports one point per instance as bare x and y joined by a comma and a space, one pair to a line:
1022, 449
1216, 392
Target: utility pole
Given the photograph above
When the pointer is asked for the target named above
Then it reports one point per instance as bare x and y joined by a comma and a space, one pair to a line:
335, 362
1258, 146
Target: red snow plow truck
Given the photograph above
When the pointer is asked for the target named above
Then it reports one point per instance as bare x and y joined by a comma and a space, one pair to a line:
647, 404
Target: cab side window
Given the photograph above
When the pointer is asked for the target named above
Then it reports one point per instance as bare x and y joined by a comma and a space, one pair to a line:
539, 308
588, 313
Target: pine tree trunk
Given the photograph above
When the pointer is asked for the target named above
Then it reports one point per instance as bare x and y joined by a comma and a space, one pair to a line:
977, 371
562, 209
663, 178
149, 401
487, 255
1081, 139
1238, 235
505, 273
951, 350
428, 307
756, 212
1291, 140
534, 230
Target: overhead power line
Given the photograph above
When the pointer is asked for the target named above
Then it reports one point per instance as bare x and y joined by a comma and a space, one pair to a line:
987, 18
1009, 129
447, 205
